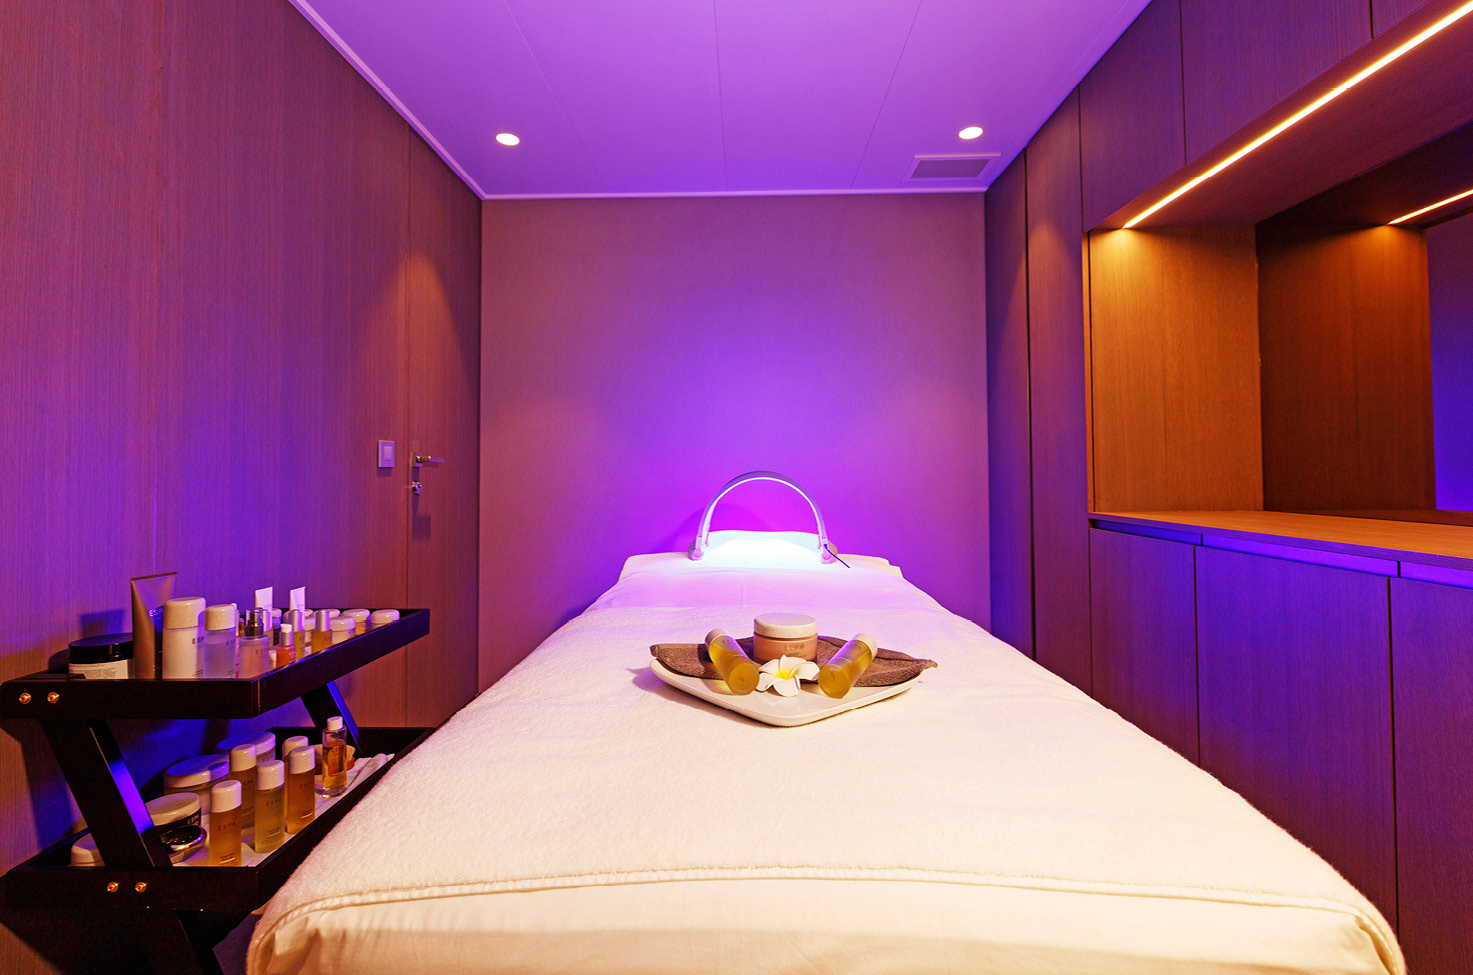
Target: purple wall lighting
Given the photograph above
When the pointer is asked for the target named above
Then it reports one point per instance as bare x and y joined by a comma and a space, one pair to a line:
1450, 282
639, 354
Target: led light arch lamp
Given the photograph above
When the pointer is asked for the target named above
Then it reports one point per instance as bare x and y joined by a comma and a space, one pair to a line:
702, 543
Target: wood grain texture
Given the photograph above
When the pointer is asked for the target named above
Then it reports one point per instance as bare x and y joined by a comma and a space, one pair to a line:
1240, 59
284, 235
1449, 545
80, 133
1346, 368
1430, 629
1144, 637
1009, 450
1417, 98
1130, 112
1056, 394
1174, 369
1295, 696
1385, 13
443, 278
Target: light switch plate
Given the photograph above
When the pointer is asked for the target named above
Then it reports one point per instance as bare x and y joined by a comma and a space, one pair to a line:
386, 453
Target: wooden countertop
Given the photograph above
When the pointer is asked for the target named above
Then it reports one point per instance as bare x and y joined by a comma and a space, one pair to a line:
1446, 545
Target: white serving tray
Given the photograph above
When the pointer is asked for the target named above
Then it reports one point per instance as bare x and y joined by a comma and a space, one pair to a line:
808, 705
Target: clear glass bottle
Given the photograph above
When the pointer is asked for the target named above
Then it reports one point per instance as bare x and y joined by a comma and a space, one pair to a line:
270, 805
334, 757
221, 643
243, 770
225, 824
301, 797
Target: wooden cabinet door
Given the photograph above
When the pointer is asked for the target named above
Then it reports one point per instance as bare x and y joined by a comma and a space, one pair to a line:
1431, 627
1294, 685
1143, 631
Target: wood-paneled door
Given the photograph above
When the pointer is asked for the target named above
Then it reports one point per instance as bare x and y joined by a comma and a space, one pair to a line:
443, 287
1143, 630
1431, 627
1294, 686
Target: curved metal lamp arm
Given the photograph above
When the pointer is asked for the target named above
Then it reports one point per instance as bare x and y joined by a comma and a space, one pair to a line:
698, 547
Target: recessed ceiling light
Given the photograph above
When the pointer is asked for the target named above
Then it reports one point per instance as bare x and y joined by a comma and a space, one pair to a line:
970, 132
507, 139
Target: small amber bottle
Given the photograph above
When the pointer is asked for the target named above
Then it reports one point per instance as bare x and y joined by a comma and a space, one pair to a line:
243, 770
301, 797
732, 662
225, 824
334, 757
286, 650
322, 631
270, 805
844, 668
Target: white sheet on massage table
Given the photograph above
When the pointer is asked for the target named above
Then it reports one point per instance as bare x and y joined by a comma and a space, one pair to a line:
580, 816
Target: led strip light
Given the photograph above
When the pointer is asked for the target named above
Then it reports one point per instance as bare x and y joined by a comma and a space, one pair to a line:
1309, 109
1428, 209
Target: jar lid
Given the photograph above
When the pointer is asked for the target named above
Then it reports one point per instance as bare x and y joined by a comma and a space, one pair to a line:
84, 852
270, 774
382, 617
302, 759
183, 611
195, 772
342, 623
101, 649
182, 839
785, 626
172, 808
224, 796
221, 616
357, 614
264, 741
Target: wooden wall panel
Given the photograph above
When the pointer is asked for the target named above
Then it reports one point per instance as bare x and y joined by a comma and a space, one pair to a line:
1174, 370
79, 265
1286, 652
1009, 453
1385, 13
1347, 373
203, 259
1056, 395
443, 278
1143, 626
1430, 626
1130, 113
284, 235
1241, 59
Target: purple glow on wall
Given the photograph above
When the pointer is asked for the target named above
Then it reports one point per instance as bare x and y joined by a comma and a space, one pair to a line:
639, 354
1450, 290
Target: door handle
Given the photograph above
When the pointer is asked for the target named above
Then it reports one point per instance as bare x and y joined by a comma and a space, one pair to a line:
419, 461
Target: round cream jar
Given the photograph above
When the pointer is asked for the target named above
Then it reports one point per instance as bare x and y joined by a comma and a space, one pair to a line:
784, 635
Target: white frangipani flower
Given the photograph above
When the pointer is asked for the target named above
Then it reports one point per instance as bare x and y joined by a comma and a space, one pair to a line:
782, 675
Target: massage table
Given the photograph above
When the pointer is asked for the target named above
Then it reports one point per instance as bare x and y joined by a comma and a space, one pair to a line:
582, 816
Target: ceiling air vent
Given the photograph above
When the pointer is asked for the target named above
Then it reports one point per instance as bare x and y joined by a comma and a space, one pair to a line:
950, 167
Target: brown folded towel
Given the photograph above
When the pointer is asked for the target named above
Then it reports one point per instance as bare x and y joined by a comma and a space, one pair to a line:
889, 666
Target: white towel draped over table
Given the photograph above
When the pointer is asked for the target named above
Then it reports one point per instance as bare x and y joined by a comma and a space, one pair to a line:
581, 816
